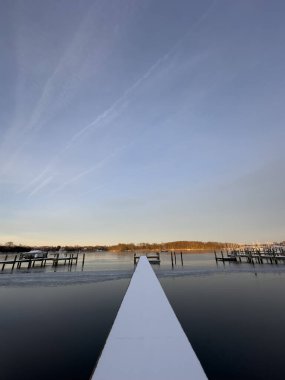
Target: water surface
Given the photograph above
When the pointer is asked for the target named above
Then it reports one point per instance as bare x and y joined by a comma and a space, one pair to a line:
54, 322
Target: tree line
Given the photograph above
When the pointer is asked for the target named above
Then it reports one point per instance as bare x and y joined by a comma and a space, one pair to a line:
122, 247
174, 245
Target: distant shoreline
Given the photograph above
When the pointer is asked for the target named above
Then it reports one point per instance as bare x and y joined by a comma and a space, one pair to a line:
181, 245
201, 250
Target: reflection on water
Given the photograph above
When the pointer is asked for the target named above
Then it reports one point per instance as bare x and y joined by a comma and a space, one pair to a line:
234, 322
54, 324
56, 332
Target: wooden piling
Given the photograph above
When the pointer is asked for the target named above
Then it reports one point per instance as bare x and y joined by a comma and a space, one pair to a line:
83, 260
18, 263
250, 257
56, 259
14, 262
181, 255
274, 255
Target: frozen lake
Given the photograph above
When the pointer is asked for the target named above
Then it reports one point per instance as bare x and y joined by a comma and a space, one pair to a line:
54, 324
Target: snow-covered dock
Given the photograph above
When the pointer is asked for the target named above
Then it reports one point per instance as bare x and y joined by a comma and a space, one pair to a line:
19, 260
147, 341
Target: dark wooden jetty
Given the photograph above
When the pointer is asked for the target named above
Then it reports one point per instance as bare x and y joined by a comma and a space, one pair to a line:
153, 258
254, 255
21, 260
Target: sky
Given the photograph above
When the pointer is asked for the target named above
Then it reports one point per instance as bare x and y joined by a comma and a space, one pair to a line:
142, 121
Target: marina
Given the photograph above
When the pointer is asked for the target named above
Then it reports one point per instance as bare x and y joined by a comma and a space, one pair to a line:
260, 256
54, 259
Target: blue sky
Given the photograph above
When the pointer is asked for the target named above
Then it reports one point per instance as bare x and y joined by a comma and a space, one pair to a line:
141, 121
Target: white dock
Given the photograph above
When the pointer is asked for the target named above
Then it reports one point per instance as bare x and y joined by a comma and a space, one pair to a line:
147, 341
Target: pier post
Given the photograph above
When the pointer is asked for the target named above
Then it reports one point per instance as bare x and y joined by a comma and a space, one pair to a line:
181, 255
14, 262
83, 260
56, 259
274, 255
250, 257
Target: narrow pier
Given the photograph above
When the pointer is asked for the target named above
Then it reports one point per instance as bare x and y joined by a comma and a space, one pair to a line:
147, 340
253, 256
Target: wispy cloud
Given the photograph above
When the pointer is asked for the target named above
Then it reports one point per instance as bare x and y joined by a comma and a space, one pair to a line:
74, 179
143, 78
36, 179
118, 102
41, 185
48, 173
90, 170
58, 82
53, 93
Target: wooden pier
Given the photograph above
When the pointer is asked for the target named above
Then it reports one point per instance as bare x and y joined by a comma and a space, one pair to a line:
153, 258
253, 256
19, 261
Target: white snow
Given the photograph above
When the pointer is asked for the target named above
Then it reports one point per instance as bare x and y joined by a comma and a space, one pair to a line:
147, 341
